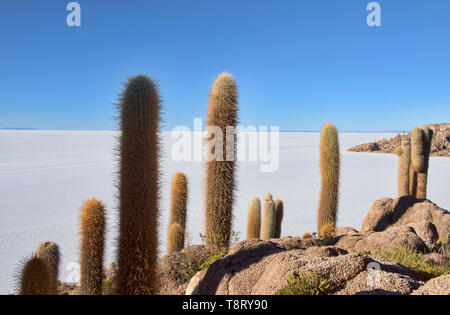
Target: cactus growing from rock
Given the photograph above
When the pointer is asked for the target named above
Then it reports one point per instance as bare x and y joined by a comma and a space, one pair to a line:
404, 154
329, 169
254, 218
422, 177
420, 155
269, 219
138, 187
49, 252
175, 239
220, 165
92, 247
279, 212
36, 277
178, 210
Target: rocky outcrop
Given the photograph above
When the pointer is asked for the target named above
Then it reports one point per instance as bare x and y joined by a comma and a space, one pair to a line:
440, 145
436, 286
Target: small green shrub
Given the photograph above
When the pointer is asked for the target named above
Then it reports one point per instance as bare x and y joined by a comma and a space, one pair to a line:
415, 261
211, 258
306, 283
108, 287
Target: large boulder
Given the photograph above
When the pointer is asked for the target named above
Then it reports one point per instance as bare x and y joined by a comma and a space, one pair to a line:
436, 286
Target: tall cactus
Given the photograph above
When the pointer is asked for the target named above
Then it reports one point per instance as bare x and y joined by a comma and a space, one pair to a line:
254, 218
92, 247
220, 165
329, 169
175, 239
178, 210
49, 252
420, 155
404, 154
138, 188
269, 219
279, 212
36, 277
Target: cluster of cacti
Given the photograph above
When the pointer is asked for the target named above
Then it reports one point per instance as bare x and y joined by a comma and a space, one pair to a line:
36, 277
49, 253
92, 227
178, 210
254, 218
404, 154
220, 165
138, 187
329, 170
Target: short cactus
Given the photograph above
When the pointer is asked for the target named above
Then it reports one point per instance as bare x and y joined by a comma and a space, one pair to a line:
279, 212
175, 240
36, 277
138, 187
269, 219
329, 169
220, 165
254, 218
178, 210
404, 154
92, 247
49, 252
306, 236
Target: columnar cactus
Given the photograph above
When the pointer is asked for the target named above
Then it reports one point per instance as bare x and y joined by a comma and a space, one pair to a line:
269, 219
175, 239
329, 169
279, 212
92, 247
220, 165
178, 204
254, 218
49, 252
404, 154
420, 155
36, 277
138, 188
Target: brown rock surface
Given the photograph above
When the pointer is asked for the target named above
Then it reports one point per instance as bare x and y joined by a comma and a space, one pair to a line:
436, 286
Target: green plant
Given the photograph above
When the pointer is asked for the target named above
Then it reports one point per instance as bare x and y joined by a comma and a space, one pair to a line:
138, 187
414, 260
175, 239
107, 287
211, 258
254, 218
443, 247
404, 154
220, 166
92, 230
279, 212
49, 252
36, 277
306, 283
178, 208
329, 170
269, 219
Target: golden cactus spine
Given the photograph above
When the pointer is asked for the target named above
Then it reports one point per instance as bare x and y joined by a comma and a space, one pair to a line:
220, 165
49, 252
178, 208
254, 218
92, 227
138, 188
175, 239
279, 213
404, 162
36, 277
269, 219
329, 170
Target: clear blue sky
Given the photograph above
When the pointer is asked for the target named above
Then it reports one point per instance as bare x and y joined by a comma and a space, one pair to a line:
299, 64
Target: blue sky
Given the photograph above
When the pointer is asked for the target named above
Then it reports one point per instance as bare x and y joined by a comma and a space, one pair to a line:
298, 64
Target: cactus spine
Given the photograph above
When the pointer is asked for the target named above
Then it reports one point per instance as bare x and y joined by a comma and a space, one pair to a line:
178, 211
279, 212
36, 277
420, 156
49, 252
329, 169
175, 240
269, 219
404, 154
220, 170
138, 188
92, 228
254, 218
